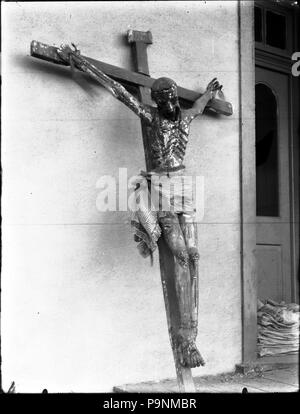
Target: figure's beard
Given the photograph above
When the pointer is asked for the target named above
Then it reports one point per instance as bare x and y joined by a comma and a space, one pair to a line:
171, 115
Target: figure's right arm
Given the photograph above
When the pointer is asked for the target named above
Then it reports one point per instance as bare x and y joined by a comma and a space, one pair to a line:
115, 88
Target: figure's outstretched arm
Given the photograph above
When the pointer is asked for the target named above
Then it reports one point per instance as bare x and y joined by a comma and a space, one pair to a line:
200, 104
116, 89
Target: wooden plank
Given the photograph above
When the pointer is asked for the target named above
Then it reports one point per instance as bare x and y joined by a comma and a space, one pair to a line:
284, 376
288, 359
268, 385
139, 41
184, 375
229, 388
270, 363
49, 53
276, 381
167, 270
247, 181
164, 386
139, 55
206, 389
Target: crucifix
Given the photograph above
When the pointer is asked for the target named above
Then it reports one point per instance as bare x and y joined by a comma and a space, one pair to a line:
165, 128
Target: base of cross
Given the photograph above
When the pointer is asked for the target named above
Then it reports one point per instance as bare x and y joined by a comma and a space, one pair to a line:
167, 269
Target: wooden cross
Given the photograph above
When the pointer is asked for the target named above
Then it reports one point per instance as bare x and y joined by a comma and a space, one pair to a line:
142, 80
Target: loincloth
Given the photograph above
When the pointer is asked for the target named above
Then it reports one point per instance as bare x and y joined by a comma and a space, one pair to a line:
156, 195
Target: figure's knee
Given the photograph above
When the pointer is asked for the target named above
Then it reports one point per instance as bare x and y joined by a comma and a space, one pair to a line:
168, 222
182, 257
186, 256
172, 233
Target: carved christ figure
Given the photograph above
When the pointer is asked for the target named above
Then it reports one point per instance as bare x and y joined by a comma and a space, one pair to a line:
170, 127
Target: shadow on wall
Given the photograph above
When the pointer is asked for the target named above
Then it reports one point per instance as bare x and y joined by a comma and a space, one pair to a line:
35, 65
82, 79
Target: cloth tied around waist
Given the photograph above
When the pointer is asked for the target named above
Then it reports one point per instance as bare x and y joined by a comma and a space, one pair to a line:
155, 195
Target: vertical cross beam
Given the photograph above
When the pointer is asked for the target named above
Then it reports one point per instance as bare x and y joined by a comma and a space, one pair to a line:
139, 41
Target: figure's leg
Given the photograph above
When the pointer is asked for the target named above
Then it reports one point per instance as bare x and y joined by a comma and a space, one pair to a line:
173, 235
189, 231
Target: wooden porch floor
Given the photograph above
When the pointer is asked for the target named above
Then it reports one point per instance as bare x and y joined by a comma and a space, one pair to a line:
281, 379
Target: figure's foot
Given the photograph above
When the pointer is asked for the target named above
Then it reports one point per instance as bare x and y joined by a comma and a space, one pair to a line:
189, 355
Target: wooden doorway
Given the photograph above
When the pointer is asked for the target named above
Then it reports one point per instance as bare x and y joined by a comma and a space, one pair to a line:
275, 36
274, 259
277, 156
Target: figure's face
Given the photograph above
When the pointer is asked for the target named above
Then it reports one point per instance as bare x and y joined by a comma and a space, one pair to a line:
168, 104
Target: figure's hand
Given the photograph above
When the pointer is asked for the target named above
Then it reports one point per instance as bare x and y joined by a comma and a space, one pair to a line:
65, 52
213, 87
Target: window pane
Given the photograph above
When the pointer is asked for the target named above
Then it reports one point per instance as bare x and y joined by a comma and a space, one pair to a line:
267, 194
276, 30
258, 24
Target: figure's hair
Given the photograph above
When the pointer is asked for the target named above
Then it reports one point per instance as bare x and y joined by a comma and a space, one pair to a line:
161, 86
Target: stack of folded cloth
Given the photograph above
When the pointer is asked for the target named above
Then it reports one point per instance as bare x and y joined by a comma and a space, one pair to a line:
278, 328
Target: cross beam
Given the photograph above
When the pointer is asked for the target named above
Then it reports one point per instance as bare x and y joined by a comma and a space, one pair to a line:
49, 53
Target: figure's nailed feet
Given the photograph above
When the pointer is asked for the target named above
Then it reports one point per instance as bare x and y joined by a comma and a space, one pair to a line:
193, 254
189, 355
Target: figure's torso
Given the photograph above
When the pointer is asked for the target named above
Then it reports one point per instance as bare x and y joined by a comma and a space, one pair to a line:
168, 142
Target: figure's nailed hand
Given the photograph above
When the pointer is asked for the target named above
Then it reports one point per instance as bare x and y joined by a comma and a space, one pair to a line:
65, 52
213, 87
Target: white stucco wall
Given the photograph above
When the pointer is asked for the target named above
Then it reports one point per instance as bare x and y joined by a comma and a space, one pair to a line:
81, 310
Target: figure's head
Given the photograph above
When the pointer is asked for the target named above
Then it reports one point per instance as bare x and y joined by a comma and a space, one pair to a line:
164, 94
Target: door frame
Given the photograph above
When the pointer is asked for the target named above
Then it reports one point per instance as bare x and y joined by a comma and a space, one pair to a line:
249, 56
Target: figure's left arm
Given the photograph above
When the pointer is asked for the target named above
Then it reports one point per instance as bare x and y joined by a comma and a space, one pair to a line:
200, 104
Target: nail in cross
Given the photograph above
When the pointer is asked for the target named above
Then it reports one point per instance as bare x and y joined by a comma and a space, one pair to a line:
175, 307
